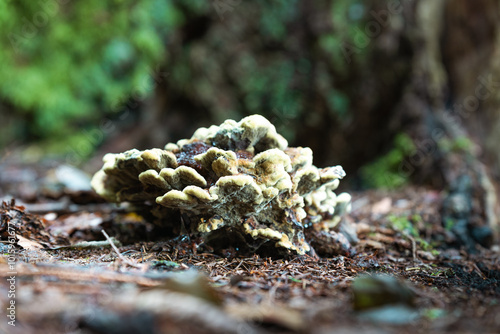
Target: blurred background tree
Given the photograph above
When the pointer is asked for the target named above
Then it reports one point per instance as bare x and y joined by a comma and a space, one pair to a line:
374, 85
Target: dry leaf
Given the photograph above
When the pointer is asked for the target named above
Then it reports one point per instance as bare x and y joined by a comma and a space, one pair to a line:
28, 244
382, 207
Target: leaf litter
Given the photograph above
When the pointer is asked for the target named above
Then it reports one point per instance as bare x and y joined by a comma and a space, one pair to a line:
141, 289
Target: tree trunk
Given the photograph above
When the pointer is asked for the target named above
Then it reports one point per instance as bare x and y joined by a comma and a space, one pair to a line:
455, 77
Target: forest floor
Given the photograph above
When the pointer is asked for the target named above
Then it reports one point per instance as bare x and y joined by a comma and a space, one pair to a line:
404, 278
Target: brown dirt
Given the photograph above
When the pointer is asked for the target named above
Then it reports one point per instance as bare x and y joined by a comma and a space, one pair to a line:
97, 290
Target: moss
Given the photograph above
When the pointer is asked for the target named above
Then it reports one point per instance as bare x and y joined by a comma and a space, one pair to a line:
460, 144
403, 224
409, 226
385, 172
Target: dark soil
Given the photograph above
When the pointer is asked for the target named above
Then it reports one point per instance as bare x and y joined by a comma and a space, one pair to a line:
156, 285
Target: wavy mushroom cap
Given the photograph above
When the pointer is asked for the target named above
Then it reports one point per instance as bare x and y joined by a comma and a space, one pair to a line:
238, 176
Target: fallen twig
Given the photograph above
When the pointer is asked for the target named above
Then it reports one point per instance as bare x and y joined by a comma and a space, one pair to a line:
65, 206
91, 244
65, 272
125, 260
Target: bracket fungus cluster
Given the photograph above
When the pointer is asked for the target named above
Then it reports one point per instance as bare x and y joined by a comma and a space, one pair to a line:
236, 184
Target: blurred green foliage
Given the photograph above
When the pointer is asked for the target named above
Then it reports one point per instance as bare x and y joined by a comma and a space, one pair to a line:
403, 224
68, 64
460, 144
65, 62
258, 58
410, 226
388, 170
